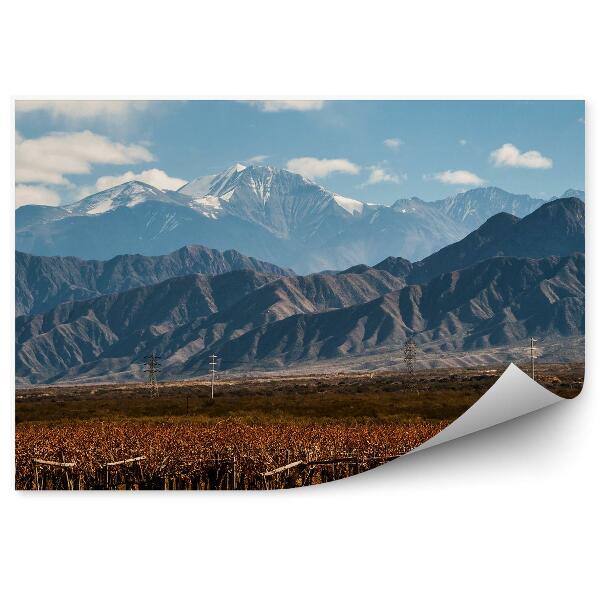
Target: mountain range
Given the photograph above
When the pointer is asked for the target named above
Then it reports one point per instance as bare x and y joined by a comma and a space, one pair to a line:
42, 282
272, 214
187, 313
508, 279
499, 301
473, 207
555, 229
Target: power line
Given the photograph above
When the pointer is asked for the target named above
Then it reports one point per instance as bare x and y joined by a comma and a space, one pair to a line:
152, 368
426, 353
213, 364
533, 354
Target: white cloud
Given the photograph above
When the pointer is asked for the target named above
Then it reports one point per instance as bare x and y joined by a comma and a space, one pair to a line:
154, 177
378, 174
462, 142
82, 109
315, 168
259, 158
459, 177
35, 194
509, 155
393, 143
280, 105
49, 158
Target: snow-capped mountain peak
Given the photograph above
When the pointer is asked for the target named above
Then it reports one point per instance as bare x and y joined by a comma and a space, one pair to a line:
213, 185
126, 194
270, 213
223, 182
277, 199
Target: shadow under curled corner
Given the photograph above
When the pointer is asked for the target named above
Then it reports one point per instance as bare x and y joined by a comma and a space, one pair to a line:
514, 395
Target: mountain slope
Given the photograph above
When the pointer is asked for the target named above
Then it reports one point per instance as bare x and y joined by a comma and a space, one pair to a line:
178, 318
74, 333
571, 193
43, 282
496, 302
557, 228
259, 320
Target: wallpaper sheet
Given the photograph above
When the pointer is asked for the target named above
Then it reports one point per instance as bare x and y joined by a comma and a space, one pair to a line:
270, 294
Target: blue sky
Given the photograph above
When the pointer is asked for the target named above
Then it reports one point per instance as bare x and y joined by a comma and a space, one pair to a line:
375, 151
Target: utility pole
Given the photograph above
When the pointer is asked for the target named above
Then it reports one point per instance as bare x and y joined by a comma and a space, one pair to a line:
152, 368
213, 364
532, 352
410, 354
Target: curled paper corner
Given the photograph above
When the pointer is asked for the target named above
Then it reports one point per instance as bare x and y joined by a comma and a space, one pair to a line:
513, 395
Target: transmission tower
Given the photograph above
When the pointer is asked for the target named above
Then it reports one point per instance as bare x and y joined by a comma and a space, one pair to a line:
410, 356
152, 367
213, 364
533, 355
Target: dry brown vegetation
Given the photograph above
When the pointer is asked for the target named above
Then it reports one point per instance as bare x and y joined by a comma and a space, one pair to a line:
255, 426
225, 455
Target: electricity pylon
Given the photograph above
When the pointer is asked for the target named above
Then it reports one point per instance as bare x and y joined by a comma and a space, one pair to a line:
410, 355
152, 368
533, 354
213, 364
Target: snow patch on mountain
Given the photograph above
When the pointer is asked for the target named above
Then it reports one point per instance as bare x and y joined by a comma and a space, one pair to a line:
127, 194
208, 206
226, 197
349, 205
197, 187
207, 201
100, 206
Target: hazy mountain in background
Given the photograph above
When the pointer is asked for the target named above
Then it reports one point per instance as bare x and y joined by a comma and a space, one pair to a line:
273, 214
571, 193
410, 225
43, 282
473, 207
269, 213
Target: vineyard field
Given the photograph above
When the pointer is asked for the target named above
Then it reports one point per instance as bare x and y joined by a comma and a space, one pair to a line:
259, 433
225, 455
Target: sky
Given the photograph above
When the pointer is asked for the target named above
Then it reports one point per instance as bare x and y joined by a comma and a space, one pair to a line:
375, 151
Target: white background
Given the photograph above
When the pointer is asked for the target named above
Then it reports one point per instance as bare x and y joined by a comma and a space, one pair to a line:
507, 513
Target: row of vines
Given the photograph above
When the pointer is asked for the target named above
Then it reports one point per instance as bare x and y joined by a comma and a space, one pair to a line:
190, 456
